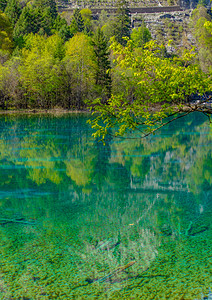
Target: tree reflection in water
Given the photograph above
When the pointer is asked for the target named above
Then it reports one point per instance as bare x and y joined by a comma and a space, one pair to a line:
98, 208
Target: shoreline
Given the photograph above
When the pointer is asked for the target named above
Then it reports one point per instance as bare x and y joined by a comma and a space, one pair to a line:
42, 111
61, 111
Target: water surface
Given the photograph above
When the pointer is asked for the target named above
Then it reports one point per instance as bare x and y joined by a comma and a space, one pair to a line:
128, 220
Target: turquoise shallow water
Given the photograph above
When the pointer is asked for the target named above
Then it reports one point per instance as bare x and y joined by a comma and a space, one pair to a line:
128, 220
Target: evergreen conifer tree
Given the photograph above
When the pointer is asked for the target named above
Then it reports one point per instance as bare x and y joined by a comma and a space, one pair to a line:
13, 11
61, 26
36, 18
50, 4
122, 24
27, 22
79, 21
102, 72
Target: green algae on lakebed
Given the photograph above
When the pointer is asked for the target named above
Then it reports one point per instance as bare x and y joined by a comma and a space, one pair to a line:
87, 209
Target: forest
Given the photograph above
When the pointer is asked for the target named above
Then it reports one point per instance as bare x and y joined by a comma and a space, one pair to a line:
47, 61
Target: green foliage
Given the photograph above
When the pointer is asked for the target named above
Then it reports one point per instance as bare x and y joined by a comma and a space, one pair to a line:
3, 4
208, 26
61, 26
102, 69
140, 35
13, 11
107, 24
77, 21
73, 27
201, 23
26, 24
150, 81
40, 69
38, 17
122, 22
79, 62
87, 17
47, 4
6, 43
43, 72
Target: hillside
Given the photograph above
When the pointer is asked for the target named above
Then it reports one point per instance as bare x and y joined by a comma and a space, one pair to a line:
112, 3
186, 4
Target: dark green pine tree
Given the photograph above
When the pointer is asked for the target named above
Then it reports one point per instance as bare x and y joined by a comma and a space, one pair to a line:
103, 68
36, 18
50, 4
28, 22
3, 4
122, 23
78, 20
13, 11
61, 26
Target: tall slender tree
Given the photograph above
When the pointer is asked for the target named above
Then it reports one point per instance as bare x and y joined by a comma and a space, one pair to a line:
122, 23
203, 37
78, 20
103, 68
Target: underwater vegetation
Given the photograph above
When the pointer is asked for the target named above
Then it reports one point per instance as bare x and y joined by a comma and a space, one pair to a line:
209, 297
128, 220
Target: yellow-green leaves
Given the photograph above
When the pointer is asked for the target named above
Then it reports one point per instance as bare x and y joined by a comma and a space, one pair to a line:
79, 62
153, 90
5, 33
40, 69
208, 26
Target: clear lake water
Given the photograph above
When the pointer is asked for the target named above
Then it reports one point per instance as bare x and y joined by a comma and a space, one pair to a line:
131, 219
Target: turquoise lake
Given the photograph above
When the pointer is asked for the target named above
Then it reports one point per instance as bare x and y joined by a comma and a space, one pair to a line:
131, 219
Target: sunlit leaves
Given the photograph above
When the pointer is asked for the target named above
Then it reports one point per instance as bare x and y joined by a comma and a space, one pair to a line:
79, 62
208, 26
153, 88
40, 71
6, 43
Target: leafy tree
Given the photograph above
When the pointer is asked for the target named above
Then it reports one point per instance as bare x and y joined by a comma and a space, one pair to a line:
6, 43
157, 82
79, 62
11, 91
87, 17
106, 23
203, 36
102, 70
41, 70
122, 23
140, 35
13, 11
